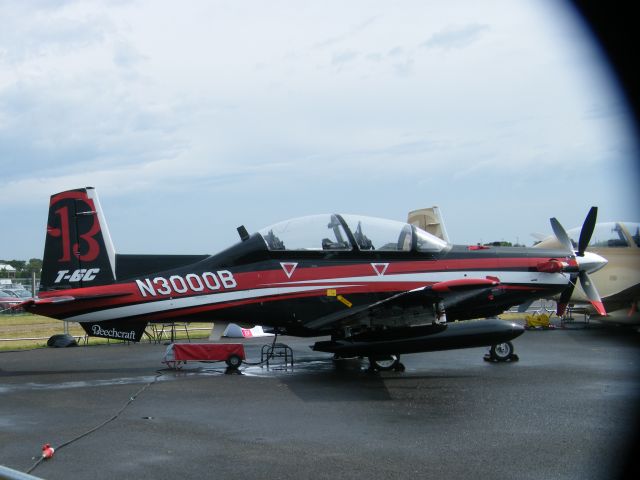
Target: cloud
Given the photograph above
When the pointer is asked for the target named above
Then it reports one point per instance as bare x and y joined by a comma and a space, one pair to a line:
456, 37
396, 51
606, 111
374, 57
358, 28
340, 105
127, 56
30, 31
58, 128
343, 58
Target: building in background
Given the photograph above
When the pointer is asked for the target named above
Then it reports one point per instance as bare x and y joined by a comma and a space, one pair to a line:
7, 271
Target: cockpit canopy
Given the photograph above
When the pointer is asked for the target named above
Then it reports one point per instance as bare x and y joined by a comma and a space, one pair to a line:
611, 234
348, 232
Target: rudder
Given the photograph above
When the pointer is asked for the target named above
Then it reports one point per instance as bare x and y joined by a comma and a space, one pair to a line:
78, 250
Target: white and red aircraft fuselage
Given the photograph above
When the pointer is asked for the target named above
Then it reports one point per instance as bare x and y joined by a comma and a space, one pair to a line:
377, 287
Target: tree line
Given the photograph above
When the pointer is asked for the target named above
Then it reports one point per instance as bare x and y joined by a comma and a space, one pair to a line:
24, 269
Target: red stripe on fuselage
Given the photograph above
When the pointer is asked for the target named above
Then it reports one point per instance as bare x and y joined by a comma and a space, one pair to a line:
361, 269
260, 279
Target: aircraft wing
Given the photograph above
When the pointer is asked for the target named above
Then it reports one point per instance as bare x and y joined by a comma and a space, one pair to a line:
623, 299
617, 301
423, 301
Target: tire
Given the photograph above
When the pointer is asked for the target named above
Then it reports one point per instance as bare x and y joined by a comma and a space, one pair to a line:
399, 367
502, 351
61, 340
234, 361
384, 362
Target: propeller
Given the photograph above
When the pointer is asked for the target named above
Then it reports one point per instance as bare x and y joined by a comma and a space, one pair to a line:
565, 296
587, 262
587, 230
561, 235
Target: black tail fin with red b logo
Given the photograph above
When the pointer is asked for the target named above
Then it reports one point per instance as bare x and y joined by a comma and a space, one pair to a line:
78, 251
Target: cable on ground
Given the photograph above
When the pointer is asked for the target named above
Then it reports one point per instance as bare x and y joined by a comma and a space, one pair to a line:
97, 427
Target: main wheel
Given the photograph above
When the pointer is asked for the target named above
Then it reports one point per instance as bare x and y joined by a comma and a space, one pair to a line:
385, 362
61, 340
234, 361
502, 351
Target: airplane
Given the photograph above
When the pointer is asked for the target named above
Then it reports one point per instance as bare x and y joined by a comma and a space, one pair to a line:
430, 220
619, 277
379, 288
619, 281
9, 303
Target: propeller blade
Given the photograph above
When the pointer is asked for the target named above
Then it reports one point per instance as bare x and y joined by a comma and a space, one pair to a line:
561, 235
565, 296
592, 294
587, 230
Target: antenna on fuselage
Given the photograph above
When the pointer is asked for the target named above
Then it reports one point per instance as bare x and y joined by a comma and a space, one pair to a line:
242, 231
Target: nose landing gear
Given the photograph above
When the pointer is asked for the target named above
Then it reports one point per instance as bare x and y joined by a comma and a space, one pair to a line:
501, 352
380, 363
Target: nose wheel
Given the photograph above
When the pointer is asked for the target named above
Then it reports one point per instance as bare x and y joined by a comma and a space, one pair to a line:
381, 363
501, 352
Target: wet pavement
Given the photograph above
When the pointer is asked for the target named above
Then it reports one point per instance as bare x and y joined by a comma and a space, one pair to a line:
566, 410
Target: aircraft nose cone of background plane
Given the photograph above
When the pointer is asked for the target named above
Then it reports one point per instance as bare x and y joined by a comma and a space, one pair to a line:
591, 262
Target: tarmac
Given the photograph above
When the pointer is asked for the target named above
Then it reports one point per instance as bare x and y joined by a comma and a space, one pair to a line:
565, 410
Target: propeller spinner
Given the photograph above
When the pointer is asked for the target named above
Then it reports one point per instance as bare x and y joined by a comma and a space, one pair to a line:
588, 262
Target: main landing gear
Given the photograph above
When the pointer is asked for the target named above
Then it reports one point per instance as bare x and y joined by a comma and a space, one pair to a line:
501, 352
380, 363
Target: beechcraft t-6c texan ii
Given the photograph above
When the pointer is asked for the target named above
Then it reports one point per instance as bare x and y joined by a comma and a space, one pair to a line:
378, 288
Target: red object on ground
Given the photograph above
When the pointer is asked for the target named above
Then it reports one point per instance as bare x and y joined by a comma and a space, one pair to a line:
202, 352
47, 451
207, 351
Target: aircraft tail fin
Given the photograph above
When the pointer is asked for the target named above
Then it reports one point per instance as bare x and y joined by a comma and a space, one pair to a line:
430, 220
78, 250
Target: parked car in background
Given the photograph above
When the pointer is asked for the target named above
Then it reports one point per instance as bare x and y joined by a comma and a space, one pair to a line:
9, 297
7, 301
21, 293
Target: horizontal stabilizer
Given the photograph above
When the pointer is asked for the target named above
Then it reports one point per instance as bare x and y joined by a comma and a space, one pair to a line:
69, 298
45, 301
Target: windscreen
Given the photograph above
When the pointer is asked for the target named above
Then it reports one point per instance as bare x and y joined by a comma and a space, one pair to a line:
315, 232
389, 235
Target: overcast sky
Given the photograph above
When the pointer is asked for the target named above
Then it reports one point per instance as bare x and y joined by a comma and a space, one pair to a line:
191, 118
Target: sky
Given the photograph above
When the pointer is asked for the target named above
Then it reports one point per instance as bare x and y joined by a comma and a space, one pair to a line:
192, 118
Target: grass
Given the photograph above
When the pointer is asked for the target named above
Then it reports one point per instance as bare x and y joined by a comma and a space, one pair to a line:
26, 331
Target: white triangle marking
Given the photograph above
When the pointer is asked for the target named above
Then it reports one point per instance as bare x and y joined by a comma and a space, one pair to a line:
380, 268
288, 268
